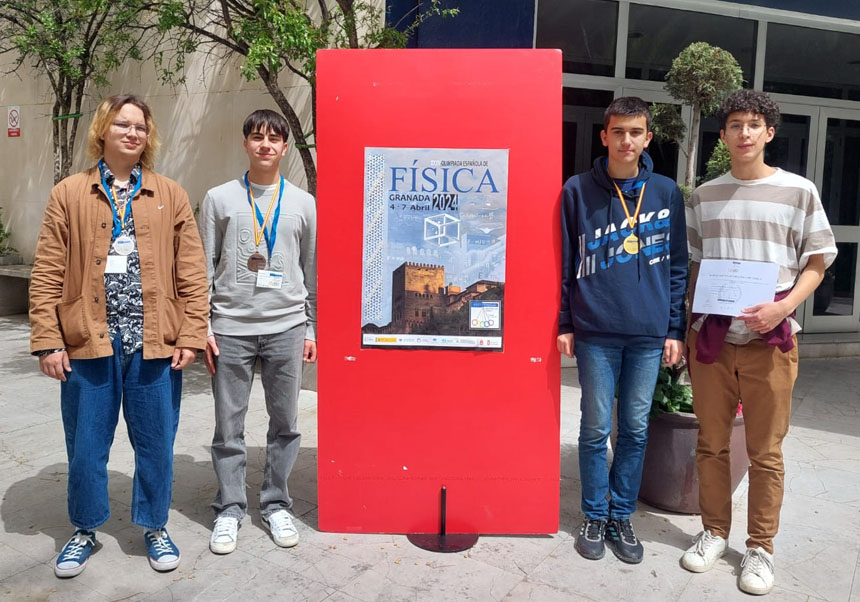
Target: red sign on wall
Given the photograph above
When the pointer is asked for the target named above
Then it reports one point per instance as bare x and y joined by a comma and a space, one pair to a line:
395, 425
14, 122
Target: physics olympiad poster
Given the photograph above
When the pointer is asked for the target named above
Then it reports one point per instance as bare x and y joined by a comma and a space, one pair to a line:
433, 261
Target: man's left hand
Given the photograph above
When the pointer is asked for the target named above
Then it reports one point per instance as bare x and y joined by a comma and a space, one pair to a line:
765, 317
309, 355
182, 356
673, 349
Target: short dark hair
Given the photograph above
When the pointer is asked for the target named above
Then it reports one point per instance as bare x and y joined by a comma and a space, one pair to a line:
749, 101
629, 106
263, 120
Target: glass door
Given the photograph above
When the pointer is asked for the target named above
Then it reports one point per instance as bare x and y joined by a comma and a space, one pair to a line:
668, 160
582, 116
835, 306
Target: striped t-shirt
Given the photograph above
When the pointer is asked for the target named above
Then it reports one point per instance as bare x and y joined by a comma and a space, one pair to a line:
778, 219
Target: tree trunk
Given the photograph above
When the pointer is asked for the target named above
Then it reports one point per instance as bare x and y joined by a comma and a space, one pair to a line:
692, 145
301, 143
55, 142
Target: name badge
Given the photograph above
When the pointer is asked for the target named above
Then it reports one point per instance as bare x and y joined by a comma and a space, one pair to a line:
116, 264
267, 279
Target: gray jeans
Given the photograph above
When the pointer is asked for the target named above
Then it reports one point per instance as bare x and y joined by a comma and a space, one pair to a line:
281, 371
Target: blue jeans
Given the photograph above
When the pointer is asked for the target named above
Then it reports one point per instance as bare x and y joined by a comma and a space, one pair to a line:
149, 392
601, 367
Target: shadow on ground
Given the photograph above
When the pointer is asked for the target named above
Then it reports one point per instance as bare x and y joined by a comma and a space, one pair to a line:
37, 505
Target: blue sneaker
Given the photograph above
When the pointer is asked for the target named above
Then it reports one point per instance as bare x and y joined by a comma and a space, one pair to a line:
73, 557
163, 553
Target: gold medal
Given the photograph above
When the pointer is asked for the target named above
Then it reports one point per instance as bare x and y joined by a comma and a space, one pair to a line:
631, 244
256, 262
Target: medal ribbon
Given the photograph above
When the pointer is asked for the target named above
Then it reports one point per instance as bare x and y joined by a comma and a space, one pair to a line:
260, 230
118, 222
631, 221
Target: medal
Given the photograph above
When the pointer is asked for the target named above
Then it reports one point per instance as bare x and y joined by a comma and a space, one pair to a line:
123, 245
256, 262
631, 243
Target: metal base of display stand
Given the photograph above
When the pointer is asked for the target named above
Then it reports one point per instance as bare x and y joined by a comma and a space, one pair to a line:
442, 541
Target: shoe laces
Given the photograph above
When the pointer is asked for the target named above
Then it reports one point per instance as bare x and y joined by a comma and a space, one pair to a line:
704, 541
76, 546
225, 526
281, 521
756, 561
593, 528
160, 541
624, 528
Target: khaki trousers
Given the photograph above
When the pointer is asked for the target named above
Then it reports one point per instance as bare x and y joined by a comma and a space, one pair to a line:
762, 377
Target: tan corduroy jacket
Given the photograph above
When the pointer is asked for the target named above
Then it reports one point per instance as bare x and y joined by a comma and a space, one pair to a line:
67, 290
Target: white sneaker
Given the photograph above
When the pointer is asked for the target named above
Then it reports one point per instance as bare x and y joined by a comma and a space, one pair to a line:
225, 534
757, 572
283, 530
706, 550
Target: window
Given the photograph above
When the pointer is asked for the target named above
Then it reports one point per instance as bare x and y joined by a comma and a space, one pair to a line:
656, 35
840, 190
812, 62
583, 120
585, 30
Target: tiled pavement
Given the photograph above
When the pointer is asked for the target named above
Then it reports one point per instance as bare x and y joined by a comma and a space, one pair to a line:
818, 548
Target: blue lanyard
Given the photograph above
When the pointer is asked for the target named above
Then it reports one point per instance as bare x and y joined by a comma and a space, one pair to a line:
272, 233
117, 223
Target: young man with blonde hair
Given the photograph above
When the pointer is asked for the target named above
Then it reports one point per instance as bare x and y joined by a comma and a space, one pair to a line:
117, 309
754, 213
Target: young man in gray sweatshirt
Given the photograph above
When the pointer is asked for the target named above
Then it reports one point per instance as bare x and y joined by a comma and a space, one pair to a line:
259, 237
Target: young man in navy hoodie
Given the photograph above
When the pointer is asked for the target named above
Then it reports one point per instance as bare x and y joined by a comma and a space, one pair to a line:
624, 276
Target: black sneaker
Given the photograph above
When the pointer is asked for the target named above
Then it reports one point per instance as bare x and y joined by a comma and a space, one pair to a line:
623, 541
589, 542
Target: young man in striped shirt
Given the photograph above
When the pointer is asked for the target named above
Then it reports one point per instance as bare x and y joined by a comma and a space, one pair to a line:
754, 213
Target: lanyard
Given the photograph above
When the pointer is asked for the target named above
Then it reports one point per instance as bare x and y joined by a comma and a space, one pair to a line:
260, 230
631, 221
119, 223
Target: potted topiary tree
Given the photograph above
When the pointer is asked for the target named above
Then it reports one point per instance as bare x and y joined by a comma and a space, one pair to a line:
701, 76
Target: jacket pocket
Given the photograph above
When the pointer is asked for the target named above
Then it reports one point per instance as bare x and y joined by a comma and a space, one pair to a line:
73, 322
171, 316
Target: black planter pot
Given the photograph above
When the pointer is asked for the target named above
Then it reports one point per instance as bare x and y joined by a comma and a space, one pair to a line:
670, 480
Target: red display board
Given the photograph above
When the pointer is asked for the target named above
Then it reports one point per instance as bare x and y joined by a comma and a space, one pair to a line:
396, 425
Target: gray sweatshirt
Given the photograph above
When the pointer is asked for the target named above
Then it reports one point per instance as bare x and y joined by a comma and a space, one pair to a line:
238, 306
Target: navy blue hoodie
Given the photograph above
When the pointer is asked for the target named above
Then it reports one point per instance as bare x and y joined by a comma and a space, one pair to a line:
609, 296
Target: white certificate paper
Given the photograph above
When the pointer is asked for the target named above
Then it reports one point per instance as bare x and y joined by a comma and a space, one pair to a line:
726, 286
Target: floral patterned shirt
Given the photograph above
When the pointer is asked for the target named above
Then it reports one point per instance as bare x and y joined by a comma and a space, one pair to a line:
123, 292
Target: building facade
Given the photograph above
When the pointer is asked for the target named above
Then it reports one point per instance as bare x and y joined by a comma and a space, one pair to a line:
805, 54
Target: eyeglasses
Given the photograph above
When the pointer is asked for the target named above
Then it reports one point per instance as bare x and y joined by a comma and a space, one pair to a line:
124, 128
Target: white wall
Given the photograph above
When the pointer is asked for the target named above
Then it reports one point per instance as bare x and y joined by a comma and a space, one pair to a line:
200, 125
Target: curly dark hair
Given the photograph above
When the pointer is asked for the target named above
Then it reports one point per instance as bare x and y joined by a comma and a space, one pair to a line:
749, 101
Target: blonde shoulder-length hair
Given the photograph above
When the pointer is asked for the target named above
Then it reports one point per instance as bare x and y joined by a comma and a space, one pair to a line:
103, 118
